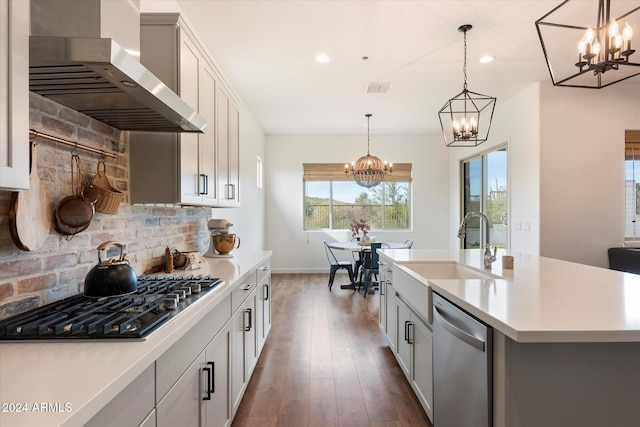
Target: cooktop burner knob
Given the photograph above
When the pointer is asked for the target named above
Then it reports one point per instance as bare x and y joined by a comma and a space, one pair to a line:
187, 290
171, 302
182, 294
195, 288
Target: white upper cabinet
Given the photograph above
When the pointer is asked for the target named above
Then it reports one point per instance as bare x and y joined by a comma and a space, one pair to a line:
187, 168
14, 95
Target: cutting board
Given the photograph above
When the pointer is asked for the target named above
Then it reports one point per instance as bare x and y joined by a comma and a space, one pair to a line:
30, 211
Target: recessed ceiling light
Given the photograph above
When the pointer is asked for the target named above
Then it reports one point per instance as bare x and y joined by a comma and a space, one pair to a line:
487, 58
322, 58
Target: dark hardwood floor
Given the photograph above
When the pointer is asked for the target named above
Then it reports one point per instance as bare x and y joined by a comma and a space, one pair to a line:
326, 362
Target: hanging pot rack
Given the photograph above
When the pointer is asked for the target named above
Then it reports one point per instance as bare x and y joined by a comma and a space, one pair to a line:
73, 144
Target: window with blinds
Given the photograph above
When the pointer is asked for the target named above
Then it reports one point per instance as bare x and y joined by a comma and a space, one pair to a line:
632, 185
332, 199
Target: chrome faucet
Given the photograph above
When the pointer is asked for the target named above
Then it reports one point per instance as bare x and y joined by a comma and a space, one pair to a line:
462, 232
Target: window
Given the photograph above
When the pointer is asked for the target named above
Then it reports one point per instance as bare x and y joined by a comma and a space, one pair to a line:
485, 190
632, 185
332, 199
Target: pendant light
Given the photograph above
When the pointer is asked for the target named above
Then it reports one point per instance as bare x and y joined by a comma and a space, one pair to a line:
368, 171
466, 118
603, 51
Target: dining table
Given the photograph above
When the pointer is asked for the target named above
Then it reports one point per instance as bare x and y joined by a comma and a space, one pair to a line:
362, 248
355, 246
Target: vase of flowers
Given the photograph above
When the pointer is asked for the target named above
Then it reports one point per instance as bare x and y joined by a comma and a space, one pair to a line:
360, 226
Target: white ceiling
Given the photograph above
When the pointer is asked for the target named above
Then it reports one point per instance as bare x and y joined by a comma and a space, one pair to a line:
267, 49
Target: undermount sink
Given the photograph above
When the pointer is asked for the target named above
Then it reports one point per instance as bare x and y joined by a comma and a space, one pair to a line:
448, 270
411, 280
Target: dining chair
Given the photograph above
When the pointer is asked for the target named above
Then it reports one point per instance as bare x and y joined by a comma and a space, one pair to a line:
337, 265
371, 266
358, 259
408, 243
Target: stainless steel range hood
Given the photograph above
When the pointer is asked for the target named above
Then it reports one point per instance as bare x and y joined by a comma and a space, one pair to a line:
96, 76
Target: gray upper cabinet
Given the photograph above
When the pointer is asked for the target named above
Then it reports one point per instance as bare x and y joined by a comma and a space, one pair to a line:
14, 95
187, 169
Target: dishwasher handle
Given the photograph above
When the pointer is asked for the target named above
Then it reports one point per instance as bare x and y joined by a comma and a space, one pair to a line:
457, 332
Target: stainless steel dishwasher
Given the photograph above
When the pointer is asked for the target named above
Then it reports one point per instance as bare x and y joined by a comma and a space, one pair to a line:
462, 367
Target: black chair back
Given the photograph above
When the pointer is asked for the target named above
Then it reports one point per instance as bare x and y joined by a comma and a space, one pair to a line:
331, 257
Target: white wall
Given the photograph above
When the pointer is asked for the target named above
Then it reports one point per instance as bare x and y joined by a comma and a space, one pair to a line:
582, 163
297, 251
566, 171
515, 123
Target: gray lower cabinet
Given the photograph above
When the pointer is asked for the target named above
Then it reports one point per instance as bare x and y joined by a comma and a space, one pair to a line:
390, 304
182, 404
414, 353
132, 407
200, 397
201, 379
150, 421
263, 303
421, 378
386, 286
244, 349
216, 411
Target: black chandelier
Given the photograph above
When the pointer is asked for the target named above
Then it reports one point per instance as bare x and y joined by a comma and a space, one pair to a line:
466, 118
603, 52
368, 171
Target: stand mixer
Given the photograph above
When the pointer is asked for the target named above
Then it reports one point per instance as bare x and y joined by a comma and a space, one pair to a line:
221, 242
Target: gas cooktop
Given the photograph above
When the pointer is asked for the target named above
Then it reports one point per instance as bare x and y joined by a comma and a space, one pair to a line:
136, 315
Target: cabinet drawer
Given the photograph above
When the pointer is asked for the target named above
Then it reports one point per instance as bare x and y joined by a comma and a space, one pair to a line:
175, 361
242, 291
131, 406
263, 270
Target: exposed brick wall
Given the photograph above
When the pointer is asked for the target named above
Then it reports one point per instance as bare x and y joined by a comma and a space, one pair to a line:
57, 270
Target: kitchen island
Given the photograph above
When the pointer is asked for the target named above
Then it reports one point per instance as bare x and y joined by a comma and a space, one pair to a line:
68, 383
566, 340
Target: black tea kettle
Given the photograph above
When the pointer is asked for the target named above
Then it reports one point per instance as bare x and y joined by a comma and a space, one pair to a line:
112, 277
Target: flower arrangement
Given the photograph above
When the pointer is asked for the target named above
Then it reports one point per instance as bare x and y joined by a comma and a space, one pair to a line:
358, 226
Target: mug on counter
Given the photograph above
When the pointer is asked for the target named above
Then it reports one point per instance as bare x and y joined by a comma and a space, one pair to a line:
507, 262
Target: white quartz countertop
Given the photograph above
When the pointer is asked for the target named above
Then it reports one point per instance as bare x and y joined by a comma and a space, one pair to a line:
541, 299
79, 378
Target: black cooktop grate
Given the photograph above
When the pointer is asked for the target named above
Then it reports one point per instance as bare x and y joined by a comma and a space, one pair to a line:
131, 316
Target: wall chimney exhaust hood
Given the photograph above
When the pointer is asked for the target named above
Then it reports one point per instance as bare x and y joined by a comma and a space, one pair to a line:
72, 65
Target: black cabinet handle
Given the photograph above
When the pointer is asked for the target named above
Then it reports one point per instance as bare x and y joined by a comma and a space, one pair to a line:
266, 291
201, 184
406, 330
212, 377
206, 184
208, 371
409, 325
250, 322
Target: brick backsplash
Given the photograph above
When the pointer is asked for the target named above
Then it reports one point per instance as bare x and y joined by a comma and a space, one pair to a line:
57, 270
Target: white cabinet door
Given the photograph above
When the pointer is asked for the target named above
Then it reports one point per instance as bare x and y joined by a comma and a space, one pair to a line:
14, 95
233, 176
266, 312
422, 364
190, 65
208, 179
404, 334
263, 307
392, 321
182, 405
243, 348
228, 141
222, 140
216, 408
